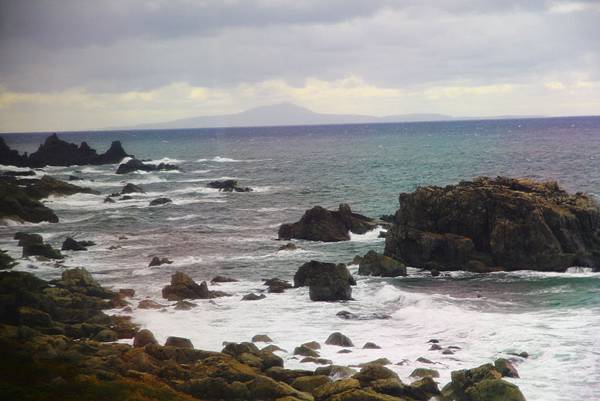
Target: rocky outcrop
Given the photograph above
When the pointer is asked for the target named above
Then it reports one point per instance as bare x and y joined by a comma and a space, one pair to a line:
33, 245
70, 244
133, 165
6, 261
56, 152
16, 204
47, 186
160, 201
131, 189
183, 287
157, 261
481, 383
326, 281
320, 224
496, 224
375, 264
228, 186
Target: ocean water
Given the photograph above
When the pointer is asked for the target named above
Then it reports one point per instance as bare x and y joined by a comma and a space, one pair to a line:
554, 317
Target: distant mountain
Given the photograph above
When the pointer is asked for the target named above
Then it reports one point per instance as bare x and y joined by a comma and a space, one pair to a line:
284, 114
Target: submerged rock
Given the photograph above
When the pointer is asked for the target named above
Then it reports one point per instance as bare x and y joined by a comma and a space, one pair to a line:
160, 201
320, 224
182, 286
375, 264
223, 279
131, 188
277, 285
326, 281
496, 224
157, 261
69, 244
253, 297
228, 186
290, 246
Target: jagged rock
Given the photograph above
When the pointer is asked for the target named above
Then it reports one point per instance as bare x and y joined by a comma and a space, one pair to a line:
131, 189
56, 152
253, 297
339, 339
326, 281
182, 287
496, 224
160, 201
506, 368
157, 261
375, 264
319, 224
277, 285
133, 165
178, 342
228, 186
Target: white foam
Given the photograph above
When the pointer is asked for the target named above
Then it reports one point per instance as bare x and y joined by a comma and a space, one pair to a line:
165, 160
369, 236
184, 217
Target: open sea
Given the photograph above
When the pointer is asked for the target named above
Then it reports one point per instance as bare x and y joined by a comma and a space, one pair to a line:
554, 317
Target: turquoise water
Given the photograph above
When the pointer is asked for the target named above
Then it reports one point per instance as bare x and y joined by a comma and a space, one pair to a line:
554, 317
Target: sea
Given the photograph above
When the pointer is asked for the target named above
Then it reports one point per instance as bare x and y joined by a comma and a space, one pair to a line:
554, 317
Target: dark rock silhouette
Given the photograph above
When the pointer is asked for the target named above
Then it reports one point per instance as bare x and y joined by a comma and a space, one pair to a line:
133, 165
228, 186
326, 281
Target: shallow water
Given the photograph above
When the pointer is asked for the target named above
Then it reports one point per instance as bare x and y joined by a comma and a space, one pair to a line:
554, 317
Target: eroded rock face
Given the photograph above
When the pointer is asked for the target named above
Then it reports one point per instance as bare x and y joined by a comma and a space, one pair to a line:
496, 224
320, 224
326, 281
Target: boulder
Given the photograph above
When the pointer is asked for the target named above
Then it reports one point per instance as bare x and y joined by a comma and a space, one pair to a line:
303, 350
483, 383
335, 371
228, 186
375, 264
370, 345
223, 279
373, 372
339, 339
308, 384
320, 224
318, 361
496, 224
81, 281
69, 244
149, 304
312, 345
33, 246
133, 165
160, 201
506, 368
290, 246
326, 281
185, 305
131, 189
182, 286
327, 390
261, 338
178, 342
424, 372
378, 361
157, 261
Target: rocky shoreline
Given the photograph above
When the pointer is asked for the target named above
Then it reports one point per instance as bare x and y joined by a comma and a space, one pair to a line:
58, 343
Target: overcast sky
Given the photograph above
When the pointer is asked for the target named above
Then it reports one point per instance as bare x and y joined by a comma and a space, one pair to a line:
76, 64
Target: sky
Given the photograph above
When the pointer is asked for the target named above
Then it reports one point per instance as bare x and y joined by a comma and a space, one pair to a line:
78, 64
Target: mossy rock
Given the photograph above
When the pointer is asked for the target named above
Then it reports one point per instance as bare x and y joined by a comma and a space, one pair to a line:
424, 372
328, 389
494, 390
308, 384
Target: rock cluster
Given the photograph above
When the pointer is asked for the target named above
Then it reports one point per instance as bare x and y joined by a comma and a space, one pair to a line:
496, 224
33, 245
326, 281
70, 244
56, 152
320, 224
228, 186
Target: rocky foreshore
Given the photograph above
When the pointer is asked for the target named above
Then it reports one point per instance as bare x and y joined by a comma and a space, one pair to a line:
58, 344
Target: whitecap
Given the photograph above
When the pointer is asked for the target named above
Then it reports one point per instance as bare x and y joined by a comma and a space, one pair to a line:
164, 160
369, 236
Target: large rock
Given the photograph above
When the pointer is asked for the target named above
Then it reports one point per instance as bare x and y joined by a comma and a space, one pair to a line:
69, 244
131, 188
326, 281
133, 165
375, 264
56, 152
228, 186
33, 245
320, 224
47, 186
496, 224
182, 286
81, 281
12, 157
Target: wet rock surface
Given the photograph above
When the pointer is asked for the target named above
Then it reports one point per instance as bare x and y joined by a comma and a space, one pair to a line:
326, 281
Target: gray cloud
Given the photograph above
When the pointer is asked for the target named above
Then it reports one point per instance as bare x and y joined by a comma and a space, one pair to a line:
138, 45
